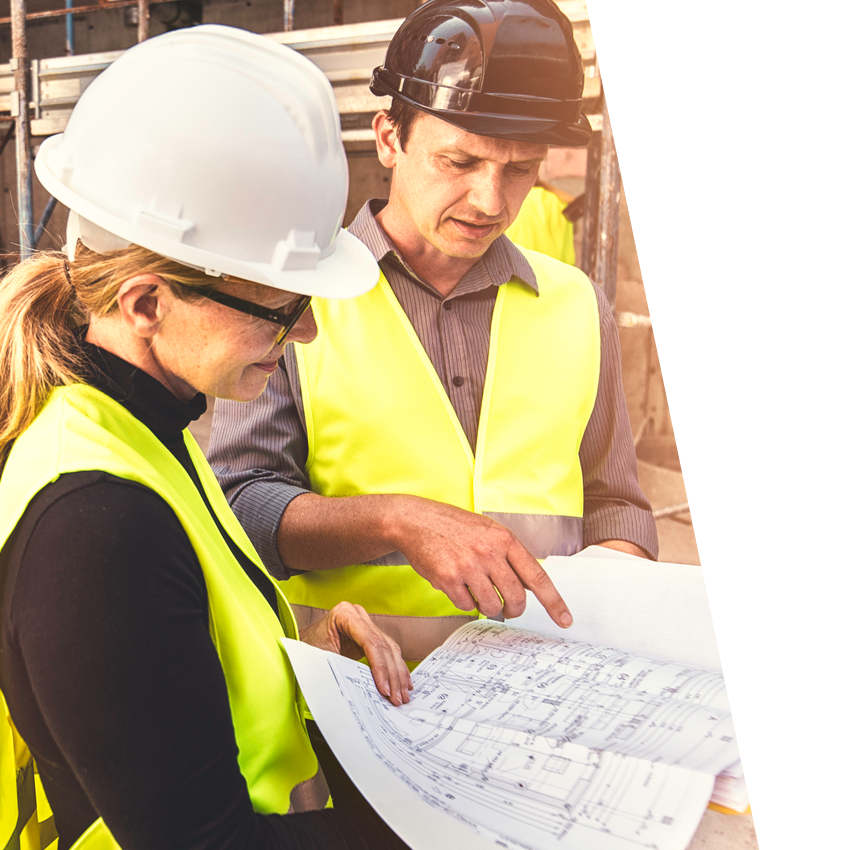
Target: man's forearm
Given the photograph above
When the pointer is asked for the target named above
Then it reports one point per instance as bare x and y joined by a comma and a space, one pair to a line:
474, 560
322, 533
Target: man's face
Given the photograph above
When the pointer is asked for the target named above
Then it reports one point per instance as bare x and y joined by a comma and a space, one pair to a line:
454, 190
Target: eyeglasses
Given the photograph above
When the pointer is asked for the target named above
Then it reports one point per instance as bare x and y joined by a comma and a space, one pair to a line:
287, 318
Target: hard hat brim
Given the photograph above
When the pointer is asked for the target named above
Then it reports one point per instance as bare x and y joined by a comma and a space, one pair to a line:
517, 128
349, 270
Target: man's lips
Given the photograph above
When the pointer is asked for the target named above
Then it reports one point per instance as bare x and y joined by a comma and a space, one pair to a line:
472, 230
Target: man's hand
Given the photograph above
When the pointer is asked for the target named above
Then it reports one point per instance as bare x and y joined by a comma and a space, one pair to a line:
475, 561
347, 630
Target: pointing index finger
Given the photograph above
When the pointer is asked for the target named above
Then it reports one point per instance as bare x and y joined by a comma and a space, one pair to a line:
537, 580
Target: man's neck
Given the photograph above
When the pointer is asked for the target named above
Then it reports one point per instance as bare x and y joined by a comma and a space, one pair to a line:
428, 263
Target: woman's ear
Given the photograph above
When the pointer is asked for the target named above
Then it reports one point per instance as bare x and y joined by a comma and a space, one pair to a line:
143, 302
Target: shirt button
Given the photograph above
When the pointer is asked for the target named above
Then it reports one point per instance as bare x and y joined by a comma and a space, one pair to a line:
447, 305
457, 381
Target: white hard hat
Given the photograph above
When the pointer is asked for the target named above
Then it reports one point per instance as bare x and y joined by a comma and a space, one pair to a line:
219, 149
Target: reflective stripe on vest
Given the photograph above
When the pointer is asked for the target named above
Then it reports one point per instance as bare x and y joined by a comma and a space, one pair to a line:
79, 429
26, 822
378, 420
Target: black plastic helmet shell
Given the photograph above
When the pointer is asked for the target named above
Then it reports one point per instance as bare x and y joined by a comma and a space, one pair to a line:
504, 68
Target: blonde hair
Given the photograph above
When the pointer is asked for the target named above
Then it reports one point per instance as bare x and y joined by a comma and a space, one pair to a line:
42, 301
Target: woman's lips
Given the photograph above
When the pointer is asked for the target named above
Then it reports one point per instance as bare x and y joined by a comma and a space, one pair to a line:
267, 367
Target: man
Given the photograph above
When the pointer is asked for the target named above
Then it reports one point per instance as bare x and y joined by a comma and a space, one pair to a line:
473, 400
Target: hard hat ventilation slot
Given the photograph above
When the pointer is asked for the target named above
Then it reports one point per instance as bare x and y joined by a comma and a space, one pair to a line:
167, 224
298, 252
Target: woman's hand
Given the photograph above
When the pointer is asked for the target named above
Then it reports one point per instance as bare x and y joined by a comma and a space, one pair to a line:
348, 630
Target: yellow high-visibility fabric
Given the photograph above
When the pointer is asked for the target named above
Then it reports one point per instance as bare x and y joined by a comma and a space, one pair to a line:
542, 226
80, 428
26, 821
96, 837
11, 761
18, 818
378, 420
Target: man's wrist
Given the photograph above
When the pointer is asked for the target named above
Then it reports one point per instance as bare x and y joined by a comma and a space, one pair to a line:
626, 547
396, 520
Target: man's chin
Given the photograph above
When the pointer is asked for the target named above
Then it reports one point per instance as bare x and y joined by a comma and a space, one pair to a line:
465, 249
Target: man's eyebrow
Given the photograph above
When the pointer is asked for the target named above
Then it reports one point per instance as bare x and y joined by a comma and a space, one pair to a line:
473, 158
458, 152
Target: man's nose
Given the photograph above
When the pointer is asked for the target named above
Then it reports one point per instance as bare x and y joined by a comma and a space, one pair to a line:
487, 193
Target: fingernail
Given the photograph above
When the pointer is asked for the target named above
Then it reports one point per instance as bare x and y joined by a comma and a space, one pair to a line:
566, 619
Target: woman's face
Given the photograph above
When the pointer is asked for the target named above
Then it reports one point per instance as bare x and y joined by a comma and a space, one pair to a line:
214, 349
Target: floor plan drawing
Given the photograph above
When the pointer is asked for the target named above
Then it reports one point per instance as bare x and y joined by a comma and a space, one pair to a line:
515, 736
596, 696
528, 739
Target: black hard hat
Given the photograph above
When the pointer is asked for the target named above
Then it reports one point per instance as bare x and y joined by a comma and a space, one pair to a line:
503, 68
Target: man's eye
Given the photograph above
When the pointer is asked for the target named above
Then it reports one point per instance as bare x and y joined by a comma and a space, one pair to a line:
458, 164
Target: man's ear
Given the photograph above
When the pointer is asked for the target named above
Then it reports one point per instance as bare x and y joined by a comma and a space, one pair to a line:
143, 302
386, 139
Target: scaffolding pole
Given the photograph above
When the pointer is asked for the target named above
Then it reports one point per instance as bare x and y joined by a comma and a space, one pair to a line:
144, 20
20, 112
69, 29
602, 210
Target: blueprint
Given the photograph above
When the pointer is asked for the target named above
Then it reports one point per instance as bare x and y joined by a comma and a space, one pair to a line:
565, 690
605, 736
522, 741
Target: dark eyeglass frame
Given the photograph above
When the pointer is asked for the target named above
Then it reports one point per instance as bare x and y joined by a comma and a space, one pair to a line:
287, 320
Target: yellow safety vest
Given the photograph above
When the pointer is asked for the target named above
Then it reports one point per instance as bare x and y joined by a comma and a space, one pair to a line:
378, 420
26, 822
79, 429
542, 226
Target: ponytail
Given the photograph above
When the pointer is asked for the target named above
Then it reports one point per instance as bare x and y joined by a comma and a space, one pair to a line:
38, 314
42, 301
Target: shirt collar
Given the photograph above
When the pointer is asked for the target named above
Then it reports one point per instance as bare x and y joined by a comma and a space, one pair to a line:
502, 260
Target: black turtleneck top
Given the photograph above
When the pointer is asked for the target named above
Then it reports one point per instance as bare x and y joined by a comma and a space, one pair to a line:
108, 668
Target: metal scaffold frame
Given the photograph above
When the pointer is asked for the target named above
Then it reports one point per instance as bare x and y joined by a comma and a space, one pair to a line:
39, 95
26, 82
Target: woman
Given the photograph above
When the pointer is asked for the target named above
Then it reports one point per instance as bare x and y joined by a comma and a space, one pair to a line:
141, 660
